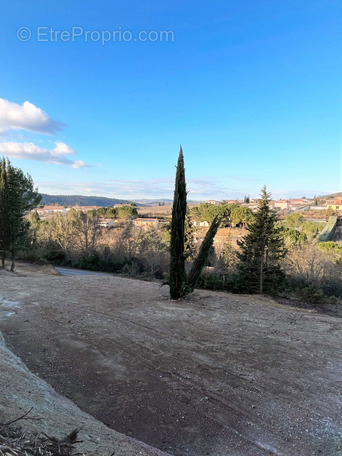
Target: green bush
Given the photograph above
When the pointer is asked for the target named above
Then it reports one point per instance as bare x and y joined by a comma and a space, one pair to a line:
132, 267
311, 294
55, 256
212, 281
220, 282
32, 257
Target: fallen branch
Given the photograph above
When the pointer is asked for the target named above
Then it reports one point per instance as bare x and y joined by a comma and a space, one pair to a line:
15, 442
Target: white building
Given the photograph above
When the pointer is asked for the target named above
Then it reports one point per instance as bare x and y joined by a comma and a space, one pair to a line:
106, 223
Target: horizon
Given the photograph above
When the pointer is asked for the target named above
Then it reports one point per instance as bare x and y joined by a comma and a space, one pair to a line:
96, 98
189, 201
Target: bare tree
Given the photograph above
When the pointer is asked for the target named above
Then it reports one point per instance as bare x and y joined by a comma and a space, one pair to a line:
307, 264
86, 232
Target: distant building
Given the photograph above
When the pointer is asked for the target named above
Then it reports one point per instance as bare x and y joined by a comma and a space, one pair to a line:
196, 223
49, 210
252, 206
230, 201
282, 205
85, 208
146, 222
213, 202
298, 202
335, 204
106, 223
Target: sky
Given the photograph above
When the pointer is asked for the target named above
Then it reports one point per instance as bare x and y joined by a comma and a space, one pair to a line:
97, 96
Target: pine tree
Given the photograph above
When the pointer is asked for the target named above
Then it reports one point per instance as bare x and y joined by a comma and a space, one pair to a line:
17, 196
261, 251
177, 260
4, 225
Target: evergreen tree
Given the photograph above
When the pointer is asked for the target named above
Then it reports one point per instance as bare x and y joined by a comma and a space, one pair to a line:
177, 265
17, 196
261, 251
203, 255
179, 284
4, 226
189, 244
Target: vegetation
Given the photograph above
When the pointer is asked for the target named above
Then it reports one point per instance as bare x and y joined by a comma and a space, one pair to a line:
177, 257
189, 244
203, 256
262, 249
79, 200
180, 285
122, 212
259, 254
208, 212
240, 215
17, 196
229, 214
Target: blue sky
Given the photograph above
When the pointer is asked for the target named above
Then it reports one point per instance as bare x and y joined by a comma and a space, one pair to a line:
251, 89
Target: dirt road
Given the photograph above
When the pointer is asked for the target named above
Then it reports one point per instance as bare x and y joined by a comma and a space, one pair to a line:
215, 374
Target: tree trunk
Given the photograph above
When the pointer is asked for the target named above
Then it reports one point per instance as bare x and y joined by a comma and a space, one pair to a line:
12, 260
261, 272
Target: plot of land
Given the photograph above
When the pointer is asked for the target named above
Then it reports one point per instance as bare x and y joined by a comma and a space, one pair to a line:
215, 374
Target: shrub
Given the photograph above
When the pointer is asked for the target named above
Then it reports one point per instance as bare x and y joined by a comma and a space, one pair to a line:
311, 294
55, 256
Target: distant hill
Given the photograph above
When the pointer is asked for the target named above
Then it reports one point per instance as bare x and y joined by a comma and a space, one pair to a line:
333, 195
79, 200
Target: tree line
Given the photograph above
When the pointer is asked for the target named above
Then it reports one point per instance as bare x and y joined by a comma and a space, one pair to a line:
261, 250
271, 256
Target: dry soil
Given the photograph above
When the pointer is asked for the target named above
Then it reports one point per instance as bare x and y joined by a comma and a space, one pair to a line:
214, 374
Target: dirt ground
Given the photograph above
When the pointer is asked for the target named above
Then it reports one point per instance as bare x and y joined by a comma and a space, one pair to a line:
40, 412
215, 374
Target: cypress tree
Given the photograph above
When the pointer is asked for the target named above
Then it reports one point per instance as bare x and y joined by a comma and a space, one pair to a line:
203, 255
179, 285
189, 244
261, 250
177, 259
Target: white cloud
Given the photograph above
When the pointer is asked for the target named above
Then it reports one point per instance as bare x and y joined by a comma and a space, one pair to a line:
26, 117
30, 151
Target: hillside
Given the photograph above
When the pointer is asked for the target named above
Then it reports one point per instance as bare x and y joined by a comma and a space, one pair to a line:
80, 200
333, 195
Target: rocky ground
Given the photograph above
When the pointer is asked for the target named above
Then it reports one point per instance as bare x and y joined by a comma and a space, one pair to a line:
214, 374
